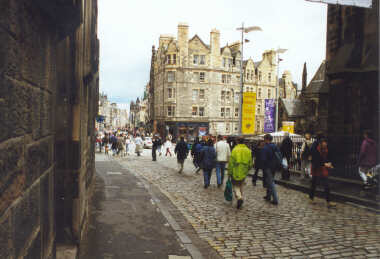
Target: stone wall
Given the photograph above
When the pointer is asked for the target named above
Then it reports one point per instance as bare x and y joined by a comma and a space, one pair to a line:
48, 100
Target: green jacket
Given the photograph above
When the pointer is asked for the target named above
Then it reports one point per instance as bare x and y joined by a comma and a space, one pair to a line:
240, 162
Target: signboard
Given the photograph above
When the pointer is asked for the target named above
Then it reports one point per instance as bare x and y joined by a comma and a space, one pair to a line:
269, 117
248, 114
288, 126
202, 131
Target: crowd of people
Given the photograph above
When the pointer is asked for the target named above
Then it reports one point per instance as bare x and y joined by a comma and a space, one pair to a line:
235, 157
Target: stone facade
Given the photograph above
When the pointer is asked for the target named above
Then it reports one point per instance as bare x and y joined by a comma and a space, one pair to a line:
195, 86
353, 78
48, 102
114, 117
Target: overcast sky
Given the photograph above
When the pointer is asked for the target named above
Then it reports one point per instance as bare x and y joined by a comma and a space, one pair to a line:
129, 28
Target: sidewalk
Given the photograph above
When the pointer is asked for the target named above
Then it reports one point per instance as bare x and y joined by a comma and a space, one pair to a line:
126, 221
341, 190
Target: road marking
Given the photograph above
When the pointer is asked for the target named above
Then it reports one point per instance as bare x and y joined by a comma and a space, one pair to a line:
114, 173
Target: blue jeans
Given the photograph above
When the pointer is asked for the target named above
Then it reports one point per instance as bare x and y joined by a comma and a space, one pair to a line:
207, 176
220, 168
271, 186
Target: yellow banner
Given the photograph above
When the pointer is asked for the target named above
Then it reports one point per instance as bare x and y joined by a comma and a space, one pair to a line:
288, 126
249, 112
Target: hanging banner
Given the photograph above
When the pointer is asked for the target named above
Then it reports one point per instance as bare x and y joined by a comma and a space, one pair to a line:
288, 126
249, 112
269, 117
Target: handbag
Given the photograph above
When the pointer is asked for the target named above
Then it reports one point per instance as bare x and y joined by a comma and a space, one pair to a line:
285, 163
228, 190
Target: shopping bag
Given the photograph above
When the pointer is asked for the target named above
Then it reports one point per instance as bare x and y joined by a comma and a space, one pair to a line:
228, 190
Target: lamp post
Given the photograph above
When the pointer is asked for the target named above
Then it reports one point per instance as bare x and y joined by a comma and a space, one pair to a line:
278, 52
243, 30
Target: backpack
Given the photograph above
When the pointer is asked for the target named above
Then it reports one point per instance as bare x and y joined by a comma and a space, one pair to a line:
198, 148
276, 159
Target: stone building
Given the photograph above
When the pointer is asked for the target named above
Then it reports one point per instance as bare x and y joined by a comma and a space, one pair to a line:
114, 117
48, 102
194, 87
353, 78
288, 89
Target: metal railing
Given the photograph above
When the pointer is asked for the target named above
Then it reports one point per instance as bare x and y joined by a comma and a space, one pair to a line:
344, 153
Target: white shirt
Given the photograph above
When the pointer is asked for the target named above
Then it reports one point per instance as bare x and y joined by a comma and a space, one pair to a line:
223, 151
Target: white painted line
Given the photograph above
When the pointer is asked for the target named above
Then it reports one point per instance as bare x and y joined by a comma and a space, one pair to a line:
114, 173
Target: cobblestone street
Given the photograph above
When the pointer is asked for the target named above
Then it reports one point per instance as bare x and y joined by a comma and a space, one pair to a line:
293, 229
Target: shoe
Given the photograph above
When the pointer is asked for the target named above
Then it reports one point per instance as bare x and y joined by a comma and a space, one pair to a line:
206, 186
331, 204
219, 185
197, 171
254, 183
239, 204
266, 198
274, 202
313, 202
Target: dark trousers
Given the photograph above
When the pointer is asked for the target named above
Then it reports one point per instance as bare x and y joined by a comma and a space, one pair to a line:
154, 154
315, 180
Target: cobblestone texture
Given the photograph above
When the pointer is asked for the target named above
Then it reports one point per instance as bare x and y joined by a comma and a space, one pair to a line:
293, 229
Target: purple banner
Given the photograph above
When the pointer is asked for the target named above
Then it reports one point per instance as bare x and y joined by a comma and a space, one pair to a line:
270, 113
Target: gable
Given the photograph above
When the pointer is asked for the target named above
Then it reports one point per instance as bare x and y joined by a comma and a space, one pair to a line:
172, 47
196, 43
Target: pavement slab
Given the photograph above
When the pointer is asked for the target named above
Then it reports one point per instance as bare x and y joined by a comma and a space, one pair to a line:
293, 229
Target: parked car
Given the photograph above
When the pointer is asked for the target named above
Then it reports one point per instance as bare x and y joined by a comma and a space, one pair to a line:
148, 142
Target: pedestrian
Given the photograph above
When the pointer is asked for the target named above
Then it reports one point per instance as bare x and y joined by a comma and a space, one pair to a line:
196, 154
320, 163
208, 161
223, 154
156, 144
258, 163
367, 157
270, 165
168, 146
181, 151
286, 151
139, 144
306, 155
119, 145
159, 148
127, 145
239, 164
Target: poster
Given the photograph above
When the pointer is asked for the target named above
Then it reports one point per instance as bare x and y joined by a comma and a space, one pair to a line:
288, 126
269, 117
248, 115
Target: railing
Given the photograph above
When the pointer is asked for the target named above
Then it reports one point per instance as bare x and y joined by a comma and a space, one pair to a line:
344, 153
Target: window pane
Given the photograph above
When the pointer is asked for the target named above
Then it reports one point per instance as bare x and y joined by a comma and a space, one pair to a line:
202, 76
195, 94
171, 76
201, 111
174, 59
202, 60
195, 111
201, 94
195, 61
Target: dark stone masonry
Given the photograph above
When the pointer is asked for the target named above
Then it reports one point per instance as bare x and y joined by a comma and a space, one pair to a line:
49, 58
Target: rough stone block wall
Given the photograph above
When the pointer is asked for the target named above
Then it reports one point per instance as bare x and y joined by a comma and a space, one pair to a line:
33, 46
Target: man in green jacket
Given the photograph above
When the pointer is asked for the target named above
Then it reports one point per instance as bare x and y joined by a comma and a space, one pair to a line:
239, 165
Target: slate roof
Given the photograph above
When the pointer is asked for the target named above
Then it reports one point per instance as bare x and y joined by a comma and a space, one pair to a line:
294, 108
316, 87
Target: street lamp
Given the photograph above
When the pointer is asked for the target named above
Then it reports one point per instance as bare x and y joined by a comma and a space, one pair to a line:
243, 30
278, 52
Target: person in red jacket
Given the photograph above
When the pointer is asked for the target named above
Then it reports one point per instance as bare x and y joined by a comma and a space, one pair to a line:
367, 156
320, 164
